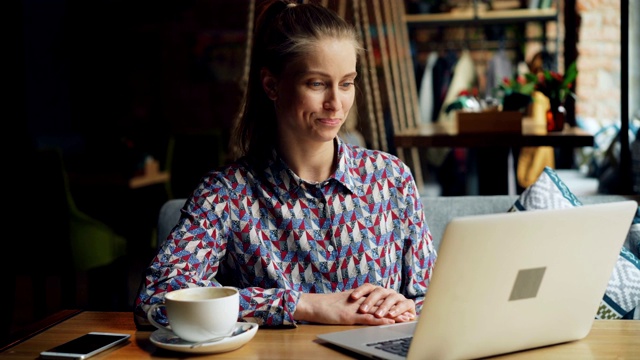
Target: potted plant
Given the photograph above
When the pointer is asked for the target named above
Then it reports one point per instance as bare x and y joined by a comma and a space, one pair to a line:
517, 92
557, 87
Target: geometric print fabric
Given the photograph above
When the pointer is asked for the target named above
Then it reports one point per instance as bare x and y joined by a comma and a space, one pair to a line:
548, 192
623, 290
274, 235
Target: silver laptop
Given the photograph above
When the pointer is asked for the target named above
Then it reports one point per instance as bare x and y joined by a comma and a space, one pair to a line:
507, 282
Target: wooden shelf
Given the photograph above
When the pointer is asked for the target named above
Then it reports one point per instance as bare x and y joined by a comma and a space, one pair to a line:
482, 17
447, 135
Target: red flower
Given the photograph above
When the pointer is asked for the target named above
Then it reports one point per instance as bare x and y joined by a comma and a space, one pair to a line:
555, 85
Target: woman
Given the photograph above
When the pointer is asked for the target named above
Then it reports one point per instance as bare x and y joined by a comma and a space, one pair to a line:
311, 229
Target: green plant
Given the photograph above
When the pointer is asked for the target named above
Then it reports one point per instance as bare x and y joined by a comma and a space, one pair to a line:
522, 84
517, 92
555, 85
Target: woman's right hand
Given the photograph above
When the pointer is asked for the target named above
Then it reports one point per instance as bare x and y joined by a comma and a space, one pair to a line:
335, 308
384, 302
345, 308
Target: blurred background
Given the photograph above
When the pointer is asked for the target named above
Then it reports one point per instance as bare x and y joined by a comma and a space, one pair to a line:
122, 105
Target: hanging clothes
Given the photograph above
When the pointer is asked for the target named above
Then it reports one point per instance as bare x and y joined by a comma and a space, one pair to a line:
426, 98
450, 163
442, 74
464, 78
498, 68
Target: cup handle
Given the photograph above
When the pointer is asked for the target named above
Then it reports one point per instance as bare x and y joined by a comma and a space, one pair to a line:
151, 312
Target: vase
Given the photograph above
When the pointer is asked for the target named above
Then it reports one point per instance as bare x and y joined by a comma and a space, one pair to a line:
555, 116
515, 102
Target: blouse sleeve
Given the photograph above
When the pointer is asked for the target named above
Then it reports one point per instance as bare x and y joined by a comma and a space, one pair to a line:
419, 254
192, 256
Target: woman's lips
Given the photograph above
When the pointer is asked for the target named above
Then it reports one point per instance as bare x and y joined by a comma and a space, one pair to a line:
330, 121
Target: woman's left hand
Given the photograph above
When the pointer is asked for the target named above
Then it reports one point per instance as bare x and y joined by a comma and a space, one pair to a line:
383, 302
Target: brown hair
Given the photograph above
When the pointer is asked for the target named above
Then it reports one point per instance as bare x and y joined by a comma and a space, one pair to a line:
284, 32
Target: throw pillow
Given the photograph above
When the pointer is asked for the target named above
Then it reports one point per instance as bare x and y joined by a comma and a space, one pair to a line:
622, 296
633, 240
547, 192
620, 300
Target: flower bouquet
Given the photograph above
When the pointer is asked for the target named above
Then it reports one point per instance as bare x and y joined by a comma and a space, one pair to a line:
517, 92
556, 87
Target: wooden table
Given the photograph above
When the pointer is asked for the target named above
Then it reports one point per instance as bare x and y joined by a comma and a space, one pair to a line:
446, 135
492, 148
610, 339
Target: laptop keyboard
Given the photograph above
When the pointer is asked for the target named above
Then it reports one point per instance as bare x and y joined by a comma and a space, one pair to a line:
397, 346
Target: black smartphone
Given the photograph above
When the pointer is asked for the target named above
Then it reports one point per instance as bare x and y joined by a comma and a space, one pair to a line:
85, 346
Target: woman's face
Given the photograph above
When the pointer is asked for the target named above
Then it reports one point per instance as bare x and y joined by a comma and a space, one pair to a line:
314, 94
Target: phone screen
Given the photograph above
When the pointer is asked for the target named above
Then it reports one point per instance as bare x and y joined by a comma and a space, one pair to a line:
85, 346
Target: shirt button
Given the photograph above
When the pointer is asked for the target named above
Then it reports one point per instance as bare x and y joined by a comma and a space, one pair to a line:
320, 206
330, 247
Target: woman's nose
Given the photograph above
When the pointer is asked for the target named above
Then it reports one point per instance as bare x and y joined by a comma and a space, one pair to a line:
332, 101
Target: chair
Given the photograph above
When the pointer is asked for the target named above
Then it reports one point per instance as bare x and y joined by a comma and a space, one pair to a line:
168, 218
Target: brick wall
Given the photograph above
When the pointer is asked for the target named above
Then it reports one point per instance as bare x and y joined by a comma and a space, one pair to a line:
598, 84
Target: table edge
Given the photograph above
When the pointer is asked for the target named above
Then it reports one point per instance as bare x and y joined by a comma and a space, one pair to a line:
39, 327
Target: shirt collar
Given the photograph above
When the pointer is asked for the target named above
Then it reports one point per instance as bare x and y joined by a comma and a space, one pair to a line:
284, 180
344, 171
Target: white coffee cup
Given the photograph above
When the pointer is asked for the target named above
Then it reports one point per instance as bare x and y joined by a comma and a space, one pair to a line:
199, 313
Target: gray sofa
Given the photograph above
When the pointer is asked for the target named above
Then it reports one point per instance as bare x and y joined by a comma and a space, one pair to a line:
438, 210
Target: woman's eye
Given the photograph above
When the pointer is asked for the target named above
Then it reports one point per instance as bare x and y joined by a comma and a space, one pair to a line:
347, 84
316, 84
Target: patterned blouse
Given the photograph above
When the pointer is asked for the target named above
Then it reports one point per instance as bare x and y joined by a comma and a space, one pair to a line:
273, 235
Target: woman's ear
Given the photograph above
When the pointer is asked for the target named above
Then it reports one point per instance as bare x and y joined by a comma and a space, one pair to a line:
269, 84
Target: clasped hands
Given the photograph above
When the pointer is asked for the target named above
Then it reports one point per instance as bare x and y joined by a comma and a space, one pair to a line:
367, 304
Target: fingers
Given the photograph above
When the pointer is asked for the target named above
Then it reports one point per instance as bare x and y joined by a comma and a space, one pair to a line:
367, 292
383, 302
362, 290
397, 306
405, 317
385, 307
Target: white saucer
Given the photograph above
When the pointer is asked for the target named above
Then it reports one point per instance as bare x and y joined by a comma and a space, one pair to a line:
168, 340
